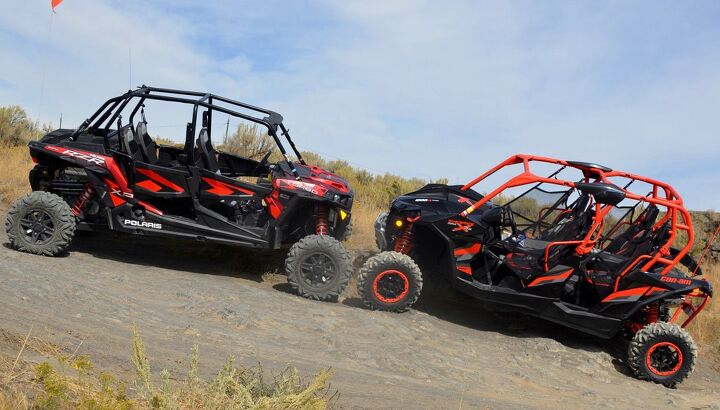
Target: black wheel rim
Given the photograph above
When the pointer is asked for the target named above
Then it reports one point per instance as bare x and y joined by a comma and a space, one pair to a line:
318, 270
664, 359
37, 227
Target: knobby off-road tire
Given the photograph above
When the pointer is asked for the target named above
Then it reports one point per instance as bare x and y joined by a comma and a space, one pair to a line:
662, 353
318, 267
40, 223
390, 281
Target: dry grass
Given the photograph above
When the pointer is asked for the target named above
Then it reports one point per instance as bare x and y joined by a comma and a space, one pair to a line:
14, 168
363, 234
74, 383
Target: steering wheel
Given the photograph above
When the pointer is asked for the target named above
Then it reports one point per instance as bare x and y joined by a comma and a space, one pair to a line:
263, 163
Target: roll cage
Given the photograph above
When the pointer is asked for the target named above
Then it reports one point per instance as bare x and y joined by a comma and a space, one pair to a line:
111, 110
661, 194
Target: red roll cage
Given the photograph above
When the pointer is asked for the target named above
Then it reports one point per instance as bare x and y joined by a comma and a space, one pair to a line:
662, 194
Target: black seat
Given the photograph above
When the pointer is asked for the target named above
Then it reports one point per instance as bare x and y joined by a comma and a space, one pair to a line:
527, 257
127, 142
147, 146
571, 224
637, 235
207, 154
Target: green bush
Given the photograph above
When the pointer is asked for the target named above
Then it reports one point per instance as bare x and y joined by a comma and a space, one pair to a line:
16, 128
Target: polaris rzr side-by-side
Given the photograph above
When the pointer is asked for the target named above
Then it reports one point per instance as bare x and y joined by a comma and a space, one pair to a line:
587, 247
109, 174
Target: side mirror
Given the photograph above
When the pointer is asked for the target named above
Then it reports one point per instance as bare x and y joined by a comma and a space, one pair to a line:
494, 216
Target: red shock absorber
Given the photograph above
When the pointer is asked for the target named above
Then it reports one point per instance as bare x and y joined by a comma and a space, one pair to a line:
321, 220
652, 313
82, 200
404, 242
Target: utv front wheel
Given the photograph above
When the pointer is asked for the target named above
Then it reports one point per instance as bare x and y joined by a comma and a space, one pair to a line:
662, 353
318, 267
390, 281
40, 223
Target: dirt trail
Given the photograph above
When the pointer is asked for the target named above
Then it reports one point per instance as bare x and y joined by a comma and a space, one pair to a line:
439, 356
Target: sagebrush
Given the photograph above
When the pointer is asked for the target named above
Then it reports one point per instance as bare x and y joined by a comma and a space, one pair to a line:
74, 383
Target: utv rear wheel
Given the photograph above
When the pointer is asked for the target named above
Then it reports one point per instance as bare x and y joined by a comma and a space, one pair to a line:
662, 353
40, 223
390, 281
318, 267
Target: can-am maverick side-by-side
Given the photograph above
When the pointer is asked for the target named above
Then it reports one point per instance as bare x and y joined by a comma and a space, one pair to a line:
109, 174
577, 247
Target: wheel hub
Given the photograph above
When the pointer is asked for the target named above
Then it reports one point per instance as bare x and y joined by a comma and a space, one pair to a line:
391, 286
37, 226
664, 358
318, 269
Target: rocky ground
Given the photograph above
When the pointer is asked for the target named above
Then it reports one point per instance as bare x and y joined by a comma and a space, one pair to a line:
445, 354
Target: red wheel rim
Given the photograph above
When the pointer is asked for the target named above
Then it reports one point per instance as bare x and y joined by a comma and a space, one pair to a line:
665, 361
380, 286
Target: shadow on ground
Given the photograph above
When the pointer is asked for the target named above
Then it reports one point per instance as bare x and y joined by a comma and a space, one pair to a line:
196, 257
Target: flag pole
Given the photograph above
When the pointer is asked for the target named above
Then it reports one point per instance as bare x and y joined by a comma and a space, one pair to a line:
44, 67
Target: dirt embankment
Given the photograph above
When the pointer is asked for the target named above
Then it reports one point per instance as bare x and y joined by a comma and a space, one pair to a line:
441, 355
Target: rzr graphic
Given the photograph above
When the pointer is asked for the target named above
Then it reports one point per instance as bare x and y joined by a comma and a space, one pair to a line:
108, 176
577, 247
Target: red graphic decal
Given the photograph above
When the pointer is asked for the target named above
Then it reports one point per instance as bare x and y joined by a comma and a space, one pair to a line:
150, 208
465, 269
222, 189
159, 178
552, 278
625, 293
469, 250
149, 185
461, 225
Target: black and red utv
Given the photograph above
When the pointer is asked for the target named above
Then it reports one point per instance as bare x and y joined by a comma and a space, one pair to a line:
576, 247
109, 174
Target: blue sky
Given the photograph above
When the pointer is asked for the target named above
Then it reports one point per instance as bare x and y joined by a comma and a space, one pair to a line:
418, 88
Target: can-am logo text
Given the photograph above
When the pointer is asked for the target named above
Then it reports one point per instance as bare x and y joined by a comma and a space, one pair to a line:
140, 224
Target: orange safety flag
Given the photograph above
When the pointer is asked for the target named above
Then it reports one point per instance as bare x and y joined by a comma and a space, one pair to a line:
55, 3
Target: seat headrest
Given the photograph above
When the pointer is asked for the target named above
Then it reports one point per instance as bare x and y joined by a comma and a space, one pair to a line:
141, 129
581, 203
126, 133
648, 217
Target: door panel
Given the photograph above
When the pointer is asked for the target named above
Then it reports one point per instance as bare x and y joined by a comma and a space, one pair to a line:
160, 182
214, 185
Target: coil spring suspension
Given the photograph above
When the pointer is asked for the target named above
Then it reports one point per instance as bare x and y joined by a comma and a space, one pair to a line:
321, 220
652, 313
82, 200
404, 242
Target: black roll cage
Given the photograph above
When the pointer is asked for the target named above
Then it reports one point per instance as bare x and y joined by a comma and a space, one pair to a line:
111, 110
